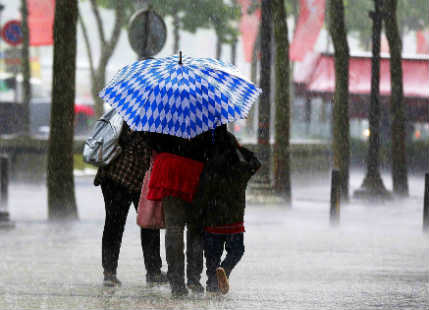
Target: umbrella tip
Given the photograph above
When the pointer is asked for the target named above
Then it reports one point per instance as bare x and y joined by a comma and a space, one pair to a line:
180, 58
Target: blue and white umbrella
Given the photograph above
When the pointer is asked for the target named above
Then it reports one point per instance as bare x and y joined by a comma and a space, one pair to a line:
180, 97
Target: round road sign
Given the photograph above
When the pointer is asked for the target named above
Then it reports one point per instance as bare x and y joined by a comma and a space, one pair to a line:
12, 32
147, 33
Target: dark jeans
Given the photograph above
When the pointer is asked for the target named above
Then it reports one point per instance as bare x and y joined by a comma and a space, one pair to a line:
117, 202
213, 250
178, 213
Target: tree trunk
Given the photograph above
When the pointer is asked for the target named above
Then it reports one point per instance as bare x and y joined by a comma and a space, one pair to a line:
340, 118
97, 85
234, 52
281, 157
218, 46
373, 182
295, 12
176, 33
61, 194
254, 64
399, 162
254, 79
26, 73
308, 111
98, 74
264, 108
88, 47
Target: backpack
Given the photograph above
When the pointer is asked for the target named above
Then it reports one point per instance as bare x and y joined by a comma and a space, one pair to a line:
103, 146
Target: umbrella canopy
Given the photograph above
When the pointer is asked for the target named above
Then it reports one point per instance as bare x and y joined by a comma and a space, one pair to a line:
180, 97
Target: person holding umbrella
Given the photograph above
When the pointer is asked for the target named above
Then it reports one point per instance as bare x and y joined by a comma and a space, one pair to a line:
174, 178
178, 101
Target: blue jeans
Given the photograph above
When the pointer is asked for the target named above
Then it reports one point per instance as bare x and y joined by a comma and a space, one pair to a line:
213, 250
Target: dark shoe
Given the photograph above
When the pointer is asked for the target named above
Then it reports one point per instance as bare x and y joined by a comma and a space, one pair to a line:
213, 289
178, 291
110, 280
196, 287
222, 280
157, 278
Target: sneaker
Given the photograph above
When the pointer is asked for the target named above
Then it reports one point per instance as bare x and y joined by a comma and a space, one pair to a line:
222, 280
196, 287
178, 291
157, 278
110, 280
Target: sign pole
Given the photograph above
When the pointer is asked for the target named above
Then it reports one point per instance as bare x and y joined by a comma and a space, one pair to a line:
5, 221
1, 51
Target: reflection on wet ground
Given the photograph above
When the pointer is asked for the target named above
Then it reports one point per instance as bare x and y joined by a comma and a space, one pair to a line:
378, 258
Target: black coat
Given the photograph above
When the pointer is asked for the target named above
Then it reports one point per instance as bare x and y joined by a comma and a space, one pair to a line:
195, 148
129, 168
222, 187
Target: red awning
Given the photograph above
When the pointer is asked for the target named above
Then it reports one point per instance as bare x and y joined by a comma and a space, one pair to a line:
249, 27
310, 22
317, 76
41, 21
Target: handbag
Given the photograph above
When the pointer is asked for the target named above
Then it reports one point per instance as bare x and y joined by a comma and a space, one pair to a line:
103, 146
150, 213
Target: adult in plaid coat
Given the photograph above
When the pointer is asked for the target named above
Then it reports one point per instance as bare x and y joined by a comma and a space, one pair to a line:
121, 183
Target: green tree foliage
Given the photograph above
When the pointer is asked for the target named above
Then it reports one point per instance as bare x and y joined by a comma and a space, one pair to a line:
192, 15
411, 15
107, 45
291, 7
177, 9
221, 15
187, 15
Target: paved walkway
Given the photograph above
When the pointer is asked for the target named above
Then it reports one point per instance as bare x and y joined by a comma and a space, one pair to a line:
378, 258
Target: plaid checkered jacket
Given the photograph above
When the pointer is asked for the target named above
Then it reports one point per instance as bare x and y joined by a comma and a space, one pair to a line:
129, 168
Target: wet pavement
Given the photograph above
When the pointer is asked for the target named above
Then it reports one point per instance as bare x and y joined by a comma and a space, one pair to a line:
377, 258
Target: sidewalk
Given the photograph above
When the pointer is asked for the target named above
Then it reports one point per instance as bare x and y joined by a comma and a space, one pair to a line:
377, 258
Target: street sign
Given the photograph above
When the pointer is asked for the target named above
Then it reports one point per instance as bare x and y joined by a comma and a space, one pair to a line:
12, 32
147, 33
12, 59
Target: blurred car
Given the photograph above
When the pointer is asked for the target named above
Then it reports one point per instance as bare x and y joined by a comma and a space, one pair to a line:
11, 109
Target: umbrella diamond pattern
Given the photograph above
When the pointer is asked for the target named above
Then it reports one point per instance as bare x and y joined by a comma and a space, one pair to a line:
184, 100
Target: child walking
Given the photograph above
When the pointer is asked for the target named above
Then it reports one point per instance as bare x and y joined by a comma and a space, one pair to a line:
223, 184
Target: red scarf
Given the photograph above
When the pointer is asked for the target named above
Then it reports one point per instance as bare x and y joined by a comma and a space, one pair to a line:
226, 229
174, 175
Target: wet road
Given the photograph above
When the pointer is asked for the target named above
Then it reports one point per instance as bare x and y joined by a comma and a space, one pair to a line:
377, 258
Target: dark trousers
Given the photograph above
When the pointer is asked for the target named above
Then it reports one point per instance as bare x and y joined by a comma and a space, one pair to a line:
213, 250
178, 213
117, 201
